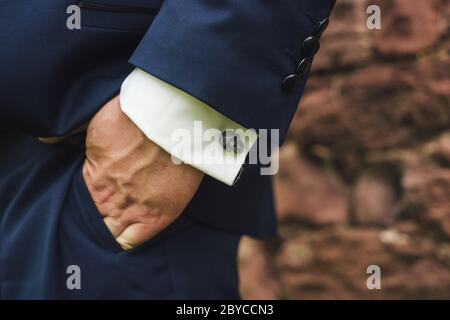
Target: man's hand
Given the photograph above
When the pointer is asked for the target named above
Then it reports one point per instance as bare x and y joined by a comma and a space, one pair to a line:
137, 188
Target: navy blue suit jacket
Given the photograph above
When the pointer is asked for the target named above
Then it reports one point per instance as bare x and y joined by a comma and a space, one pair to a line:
239, 56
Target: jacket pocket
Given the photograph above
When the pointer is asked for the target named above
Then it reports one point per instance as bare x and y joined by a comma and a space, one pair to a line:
118, 15
93, 221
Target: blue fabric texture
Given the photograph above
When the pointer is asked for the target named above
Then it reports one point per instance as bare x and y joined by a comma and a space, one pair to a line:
231, 54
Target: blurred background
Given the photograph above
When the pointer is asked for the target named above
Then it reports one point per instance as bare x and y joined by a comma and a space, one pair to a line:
365, 172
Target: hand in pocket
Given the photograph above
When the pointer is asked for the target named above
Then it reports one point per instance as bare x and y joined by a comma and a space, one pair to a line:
135, 185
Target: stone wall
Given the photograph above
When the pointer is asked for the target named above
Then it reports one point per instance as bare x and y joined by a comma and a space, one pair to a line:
365, 172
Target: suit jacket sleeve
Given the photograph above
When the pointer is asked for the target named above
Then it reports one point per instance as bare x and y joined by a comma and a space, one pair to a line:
242, 58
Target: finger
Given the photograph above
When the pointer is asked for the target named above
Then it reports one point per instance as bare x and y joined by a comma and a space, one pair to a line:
114, 226
52, 140
136, 234
58, 139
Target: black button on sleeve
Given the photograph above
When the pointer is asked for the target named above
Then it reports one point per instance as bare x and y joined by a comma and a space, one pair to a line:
303, 66
322, 26
311, 46
290, 83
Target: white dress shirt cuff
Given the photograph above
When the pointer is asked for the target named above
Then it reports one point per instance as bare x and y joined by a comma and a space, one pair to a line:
185, 127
